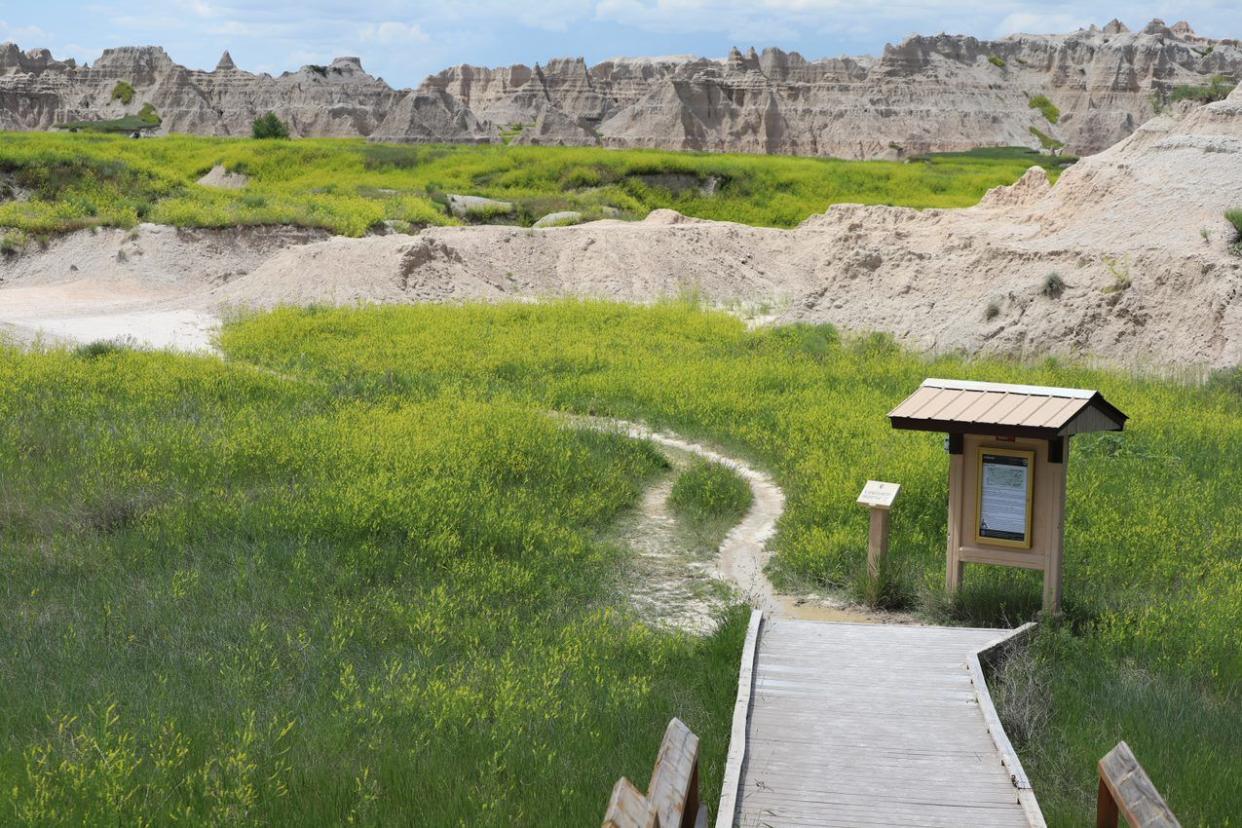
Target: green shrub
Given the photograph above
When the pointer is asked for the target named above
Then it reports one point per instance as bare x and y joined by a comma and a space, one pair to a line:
710, 492
1228, 380
1235, 218
1046, 108
123, 92
148, 115
99, 348
997, 61
12, 243
1216, 89
269, 126
1046, 141
1054, 286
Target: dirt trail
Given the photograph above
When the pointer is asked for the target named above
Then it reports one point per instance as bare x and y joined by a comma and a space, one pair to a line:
744, 552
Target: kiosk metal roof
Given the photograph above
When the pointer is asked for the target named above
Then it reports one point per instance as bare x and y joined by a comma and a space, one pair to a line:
963, 406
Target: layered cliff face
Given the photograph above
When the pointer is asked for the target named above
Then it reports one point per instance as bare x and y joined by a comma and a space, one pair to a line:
340, 99
938, 93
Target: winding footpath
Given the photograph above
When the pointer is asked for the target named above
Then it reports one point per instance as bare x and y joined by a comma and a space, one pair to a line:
744, 552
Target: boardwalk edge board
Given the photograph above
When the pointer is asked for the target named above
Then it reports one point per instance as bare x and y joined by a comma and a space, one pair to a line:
729, 790
1009, 757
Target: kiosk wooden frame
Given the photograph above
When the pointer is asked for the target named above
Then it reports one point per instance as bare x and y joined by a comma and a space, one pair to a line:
998, 418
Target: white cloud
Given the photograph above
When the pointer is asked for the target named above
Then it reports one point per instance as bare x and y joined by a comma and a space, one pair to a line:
391, 31
1037, 22
23, 34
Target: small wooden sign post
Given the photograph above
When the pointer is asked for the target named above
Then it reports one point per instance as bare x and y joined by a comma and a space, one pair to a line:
1008, 467
878, 496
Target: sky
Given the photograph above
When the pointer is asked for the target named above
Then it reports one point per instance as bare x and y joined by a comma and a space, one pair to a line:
403, 42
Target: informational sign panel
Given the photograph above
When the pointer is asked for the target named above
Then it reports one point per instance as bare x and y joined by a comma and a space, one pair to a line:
1005, 492
878, 494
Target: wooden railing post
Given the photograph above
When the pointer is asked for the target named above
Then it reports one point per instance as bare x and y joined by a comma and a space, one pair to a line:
672, 799
1127, 791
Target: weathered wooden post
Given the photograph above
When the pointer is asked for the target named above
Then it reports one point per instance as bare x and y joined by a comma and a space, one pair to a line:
878, 496
1127, 790
1008, 458
672, 798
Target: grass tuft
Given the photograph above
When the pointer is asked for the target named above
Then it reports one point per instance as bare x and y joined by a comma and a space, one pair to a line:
710, 492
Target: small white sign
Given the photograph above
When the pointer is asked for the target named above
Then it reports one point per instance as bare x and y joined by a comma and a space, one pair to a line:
879, 495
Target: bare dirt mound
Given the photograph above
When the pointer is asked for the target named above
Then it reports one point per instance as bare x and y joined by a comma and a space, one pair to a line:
1127, 260
222, 179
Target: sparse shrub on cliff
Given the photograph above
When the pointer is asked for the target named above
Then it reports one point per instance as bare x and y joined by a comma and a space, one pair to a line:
1217, 88
269, 126
123, 92
1046, 141
12, 243
148, 115
997, 61
1046, 108
1235, 218
992, 310
1054, 285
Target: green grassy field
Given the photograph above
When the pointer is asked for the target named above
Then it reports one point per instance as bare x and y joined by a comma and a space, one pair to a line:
351, 580
350, 186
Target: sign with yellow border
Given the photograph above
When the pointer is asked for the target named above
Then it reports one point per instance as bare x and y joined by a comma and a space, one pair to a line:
1006, 490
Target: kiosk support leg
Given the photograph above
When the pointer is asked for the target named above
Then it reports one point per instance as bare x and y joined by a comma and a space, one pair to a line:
953, 574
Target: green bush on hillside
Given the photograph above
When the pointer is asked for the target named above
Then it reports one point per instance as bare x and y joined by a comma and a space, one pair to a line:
997, 61
1046, 108
1235, 218
148, 115
1053, 145
1217, 88
123, 92
269, 126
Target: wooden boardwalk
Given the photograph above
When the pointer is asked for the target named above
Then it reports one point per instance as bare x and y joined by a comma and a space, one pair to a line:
871, 725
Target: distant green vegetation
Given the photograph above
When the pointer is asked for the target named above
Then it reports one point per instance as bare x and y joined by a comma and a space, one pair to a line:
1046, 108
351, 186
1235, 218
997, 61
269, 126
146, 119
123, 92
1216, 89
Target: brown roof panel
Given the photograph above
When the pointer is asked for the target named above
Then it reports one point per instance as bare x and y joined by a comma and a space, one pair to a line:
1032, 410
1025, 411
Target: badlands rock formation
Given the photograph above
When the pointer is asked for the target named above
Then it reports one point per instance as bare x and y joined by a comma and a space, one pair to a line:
1136, 237
926, 94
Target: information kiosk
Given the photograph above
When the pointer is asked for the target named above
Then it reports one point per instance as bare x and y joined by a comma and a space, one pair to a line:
1008, 457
